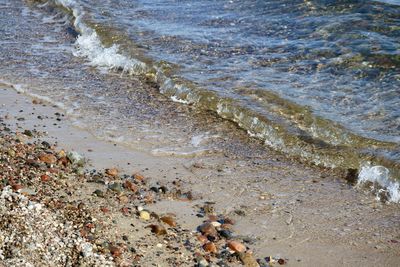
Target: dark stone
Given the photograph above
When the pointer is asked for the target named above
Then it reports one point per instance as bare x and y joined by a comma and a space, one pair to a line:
225, 233
72, 32
351, 176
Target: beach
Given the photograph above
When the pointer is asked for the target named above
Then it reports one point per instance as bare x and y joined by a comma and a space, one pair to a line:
281, 208
135, 133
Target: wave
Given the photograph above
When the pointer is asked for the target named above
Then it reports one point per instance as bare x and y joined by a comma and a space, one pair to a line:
279, 123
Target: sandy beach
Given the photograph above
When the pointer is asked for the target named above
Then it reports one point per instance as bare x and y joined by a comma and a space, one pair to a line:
132, 208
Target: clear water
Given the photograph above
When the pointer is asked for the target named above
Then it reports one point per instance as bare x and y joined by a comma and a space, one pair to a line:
317, 80
341, 58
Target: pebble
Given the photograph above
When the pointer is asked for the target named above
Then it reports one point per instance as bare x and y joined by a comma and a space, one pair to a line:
169, 220
210, 248
216, 224
44, 178
236, 246
130, 186
144, 215
48, 158
116, 187
115, 251
76, 158
98, 193
138, 177
157, 229
248, 260
112, 172
208, 229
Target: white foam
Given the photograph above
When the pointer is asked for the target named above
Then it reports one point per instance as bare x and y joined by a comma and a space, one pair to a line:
88, 44
178, 100
381, 176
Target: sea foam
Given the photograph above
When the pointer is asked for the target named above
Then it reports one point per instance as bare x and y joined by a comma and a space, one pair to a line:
380, 176
89, 45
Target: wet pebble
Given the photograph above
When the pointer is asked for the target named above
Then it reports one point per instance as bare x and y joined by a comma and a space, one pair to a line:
236, 246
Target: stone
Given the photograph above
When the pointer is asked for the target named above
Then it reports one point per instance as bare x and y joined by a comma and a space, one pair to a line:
202, 238
98, 193
116, 187
130, 186
112, 172
216, 224
144, 215
44, 178
76, 158
28, 133
248, 260
115, 251
236, 246
210, 247
48, 158
138, 177
157, 229
225, 233
207, 229
169, 220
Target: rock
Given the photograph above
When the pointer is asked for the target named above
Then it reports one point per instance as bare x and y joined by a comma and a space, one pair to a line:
207, 229
168, 220
225, 233
281, 261
248, 260
16, 187
130, 186
123, 199
351, 176
216, 224
48, 158
28, 133
116, 187
115, 251
104, 209
112, 172
236, 246
138, 177
202, 263
202, 238
44, 178
144, 215
76, 158
98, 193
210, 247
157, 229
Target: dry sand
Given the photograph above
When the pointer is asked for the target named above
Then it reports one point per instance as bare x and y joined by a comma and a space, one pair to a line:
306, 215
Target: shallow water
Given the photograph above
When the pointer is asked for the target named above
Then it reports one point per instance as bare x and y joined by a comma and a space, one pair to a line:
314, 79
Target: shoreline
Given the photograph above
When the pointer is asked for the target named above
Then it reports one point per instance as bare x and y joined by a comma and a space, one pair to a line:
307, 216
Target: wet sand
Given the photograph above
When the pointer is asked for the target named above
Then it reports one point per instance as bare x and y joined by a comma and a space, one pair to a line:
306, 215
